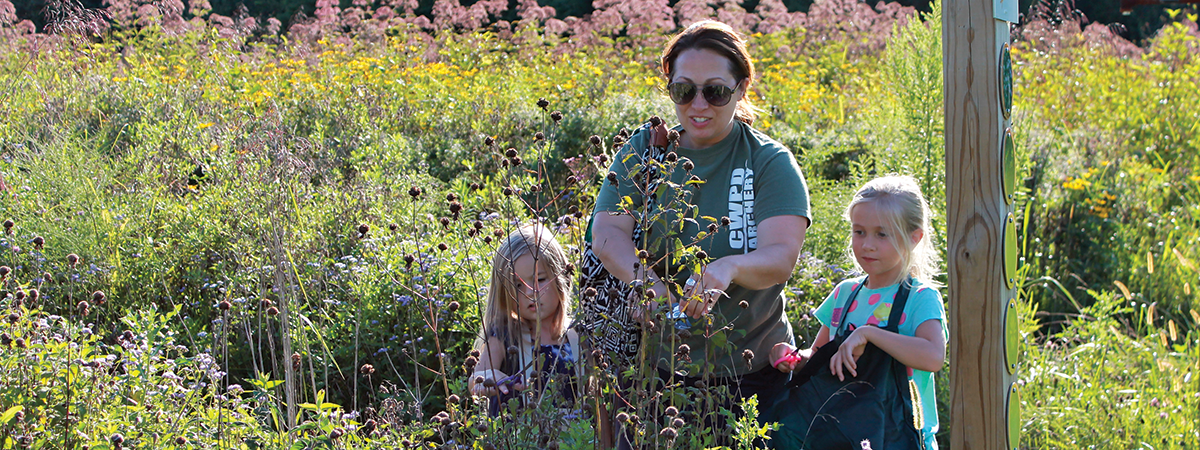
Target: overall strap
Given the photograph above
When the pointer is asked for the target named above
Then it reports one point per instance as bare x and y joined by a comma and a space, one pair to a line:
898, 305
846, 309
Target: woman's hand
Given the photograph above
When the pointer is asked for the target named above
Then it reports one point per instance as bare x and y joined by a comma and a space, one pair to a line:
846, 358
702, 291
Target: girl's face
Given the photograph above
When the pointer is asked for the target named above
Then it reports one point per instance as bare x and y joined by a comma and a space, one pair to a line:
538, 298
705, 124
873, 248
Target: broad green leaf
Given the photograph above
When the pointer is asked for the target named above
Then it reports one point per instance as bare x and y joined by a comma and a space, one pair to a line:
12, 412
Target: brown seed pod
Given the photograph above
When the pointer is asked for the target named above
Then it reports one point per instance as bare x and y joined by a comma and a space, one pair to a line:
38, 242
442, 246
414, 192
453, 306
672, 157
589, 292
489, 141
445, 221
366, 369
712, 228
296, 361
725, 221
595, 140
453, 399
538, 136
224, 305
4, 271
668, 433
181, 441
622, 417
612, 177
72, 259
602, 159
8, 224
672, 411
543, 103
688, 165
508, 192
743, 304
702, 255
272, 311
655, 121
510, 153
363, 229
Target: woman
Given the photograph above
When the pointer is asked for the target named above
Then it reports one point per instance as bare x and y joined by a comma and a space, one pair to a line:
748, 178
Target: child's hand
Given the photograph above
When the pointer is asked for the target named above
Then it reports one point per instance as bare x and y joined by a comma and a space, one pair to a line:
848, 353
489, 383
785, 357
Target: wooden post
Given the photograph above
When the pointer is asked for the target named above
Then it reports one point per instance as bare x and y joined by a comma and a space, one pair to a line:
973, 34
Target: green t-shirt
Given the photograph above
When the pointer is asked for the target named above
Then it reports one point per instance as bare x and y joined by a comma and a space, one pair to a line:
749, 178
873, 306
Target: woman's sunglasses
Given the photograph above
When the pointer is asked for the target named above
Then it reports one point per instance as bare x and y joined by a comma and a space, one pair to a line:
714, 94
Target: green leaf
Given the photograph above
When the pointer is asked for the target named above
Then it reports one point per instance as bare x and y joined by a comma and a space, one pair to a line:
12, 412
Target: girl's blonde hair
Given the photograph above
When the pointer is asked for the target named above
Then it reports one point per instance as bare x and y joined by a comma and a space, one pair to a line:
899, 200
500, 319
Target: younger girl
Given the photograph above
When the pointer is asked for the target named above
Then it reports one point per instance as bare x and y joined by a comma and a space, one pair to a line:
889, 221
526, 338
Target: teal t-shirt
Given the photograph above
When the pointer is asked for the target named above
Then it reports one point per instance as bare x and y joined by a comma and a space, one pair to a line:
749, 178
873, 307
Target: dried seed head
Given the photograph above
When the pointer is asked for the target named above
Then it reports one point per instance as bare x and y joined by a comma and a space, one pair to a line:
455, 207
20, 294
613, 292
595, 140
693, 178
487, 239
589, 292
470, 362
712, 228
672, 411
489, 141
476, 186
612, 177
38, 242
668, 433
265, 303
453, 399
481, 426
366, 369
683, 349
510, 153
536, 188
672, 157
72, 259
508, 192
512, 350
296, 361
538, 136
445, 221
748, 355
47, 278
673, 136
517, 161
181, 441
453, 306
4, 271
725, 221
20, 342
504, 163
700, 384
602, 158
543, 103
8, 224
498, 232
336, 433
19, 416
643, 255
702, 255
408, 259
117, 439
127, 335
618, 140
471, 232
678, 422
451, 197
474, 352
272, 311
556, 116
688, 165
684, 334
442, 246
34, 294
414, 192
571, 180
224, 305
5, 339
98, 297
13, 317
83, 307
363, 228
622, 417
489, 383
655, 121
743, 304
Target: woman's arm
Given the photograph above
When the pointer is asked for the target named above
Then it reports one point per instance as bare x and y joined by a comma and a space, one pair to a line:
612, 241
924, 351
780, 239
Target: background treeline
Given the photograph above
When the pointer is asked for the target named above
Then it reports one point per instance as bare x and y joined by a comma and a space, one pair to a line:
1140, 24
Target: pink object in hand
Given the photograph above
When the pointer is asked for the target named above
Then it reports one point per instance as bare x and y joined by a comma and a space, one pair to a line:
790, 357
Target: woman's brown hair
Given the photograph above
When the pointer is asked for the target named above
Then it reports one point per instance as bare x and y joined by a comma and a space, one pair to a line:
722, 39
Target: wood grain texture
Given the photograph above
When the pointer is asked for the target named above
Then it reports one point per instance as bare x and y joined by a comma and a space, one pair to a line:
975, 213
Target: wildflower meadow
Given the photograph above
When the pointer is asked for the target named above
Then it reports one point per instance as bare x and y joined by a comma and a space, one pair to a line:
220, 232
